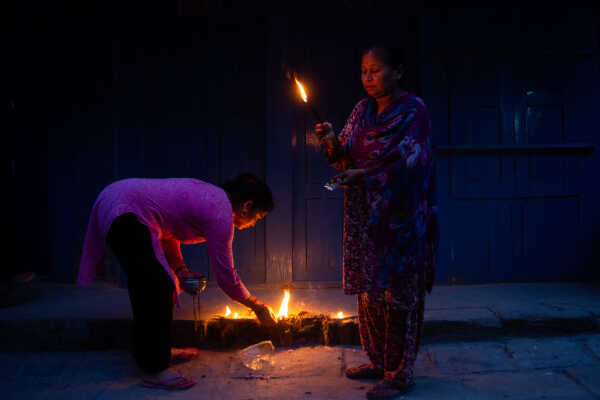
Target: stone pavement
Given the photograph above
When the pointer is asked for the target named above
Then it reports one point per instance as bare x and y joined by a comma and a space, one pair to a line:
50, 316
565, 367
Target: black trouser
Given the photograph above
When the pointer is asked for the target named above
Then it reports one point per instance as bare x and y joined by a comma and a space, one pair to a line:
150, 292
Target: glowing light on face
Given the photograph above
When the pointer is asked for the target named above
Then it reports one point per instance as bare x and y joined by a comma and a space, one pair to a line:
283, 309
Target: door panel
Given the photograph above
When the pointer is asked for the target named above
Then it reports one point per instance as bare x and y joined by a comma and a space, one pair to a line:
332, 86
550, 246
474, 107
514, 165
325, 250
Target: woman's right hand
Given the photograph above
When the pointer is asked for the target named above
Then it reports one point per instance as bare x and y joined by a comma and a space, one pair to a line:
265, 315
324, 132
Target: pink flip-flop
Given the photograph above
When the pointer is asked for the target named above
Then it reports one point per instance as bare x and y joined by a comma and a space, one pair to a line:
184, 355
178, 382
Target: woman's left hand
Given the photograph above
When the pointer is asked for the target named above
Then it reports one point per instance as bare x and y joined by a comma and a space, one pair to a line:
352, 177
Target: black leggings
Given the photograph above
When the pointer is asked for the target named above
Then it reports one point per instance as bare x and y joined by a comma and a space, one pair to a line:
150, 292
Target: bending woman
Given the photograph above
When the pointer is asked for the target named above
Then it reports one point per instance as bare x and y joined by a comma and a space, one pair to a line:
145, 221
390, 223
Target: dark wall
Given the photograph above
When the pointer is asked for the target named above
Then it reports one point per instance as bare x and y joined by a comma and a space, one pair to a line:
23, 127
90, 101
197, 90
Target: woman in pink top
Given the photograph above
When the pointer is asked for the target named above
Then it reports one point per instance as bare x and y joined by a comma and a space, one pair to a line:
145, 221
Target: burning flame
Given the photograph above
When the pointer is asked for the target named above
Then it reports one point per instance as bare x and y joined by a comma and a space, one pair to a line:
283, 310
340, 315
302, 92
228, 313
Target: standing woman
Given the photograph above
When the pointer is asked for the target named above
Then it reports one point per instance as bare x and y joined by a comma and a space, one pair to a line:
145, 221
391, 230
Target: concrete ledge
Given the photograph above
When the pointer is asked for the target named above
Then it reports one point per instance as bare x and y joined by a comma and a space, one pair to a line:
221, 333
46, 316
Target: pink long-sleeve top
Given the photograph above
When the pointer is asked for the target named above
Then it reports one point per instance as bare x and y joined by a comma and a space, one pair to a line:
175, 210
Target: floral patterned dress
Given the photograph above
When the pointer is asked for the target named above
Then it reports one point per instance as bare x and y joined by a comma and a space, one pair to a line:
391, 232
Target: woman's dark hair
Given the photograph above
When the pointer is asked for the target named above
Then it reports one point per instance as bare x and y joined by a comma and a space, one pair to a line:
390, 53
246, 187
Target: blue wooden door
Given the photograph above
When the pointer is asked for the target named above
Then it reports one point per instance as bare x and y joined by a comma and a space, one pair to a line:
328, 57
318, 213
508, 116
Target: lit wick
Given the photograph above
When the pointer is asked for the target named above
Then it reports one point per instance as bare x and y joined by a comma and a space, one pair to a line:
305, 98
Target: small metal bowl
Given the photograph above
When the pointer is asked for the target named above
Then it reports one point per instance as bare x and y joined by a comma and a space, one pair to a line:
199, 280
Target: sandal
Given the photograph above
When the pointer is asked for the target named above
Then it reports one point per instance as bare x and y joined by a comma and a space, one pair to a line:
178, 382
179, 356
365, 371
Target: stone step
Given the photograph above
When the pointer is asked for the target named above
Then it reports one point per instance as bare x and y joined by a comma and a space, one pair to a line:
222, 333
50, 316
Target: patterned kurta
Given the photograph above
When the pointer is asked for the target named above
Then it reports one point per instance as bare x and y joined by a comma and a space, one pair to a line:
391, 229
390, 225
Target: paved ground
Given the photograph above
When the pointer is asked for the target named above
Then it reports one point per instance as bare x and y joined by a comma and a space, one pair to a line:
533, 341
512, 368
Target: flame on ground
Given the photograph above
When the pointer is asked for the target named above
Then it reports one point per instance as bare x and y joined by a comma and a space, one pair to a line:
302, 92
228, 313
340, 315
283, 310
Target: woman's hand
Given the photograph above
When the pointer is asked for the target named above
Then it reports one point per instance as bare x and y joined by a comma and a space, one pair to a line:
352, 177
191, 282
323, 129
324, 132
265, 315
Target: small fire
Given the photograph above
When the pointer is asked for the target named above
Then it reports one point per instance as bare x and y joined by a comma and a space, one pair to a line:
340, 315
229, 314
283, 310
302, 92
